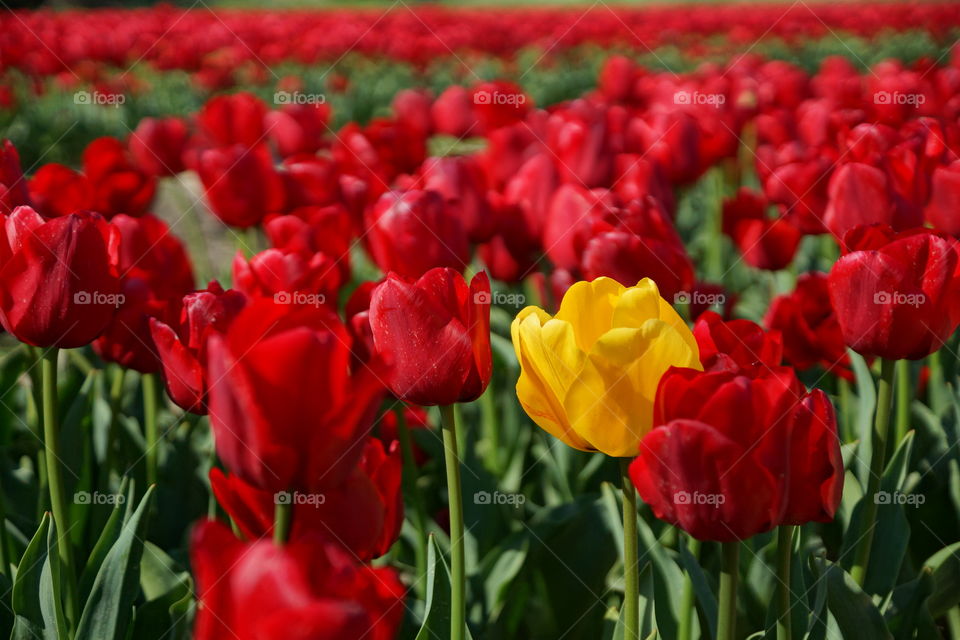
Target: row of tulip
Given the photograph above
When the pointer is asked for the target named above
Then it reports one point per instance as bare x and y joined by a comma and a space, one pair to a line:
595, 209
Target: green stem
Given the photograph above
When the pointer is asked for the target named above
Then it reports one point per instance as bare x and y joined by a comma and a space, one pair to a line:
688, 597
118, 375
58, 497
455, 498
903, 399
282, 517
35, 420
953, 622
878, 454
491, 430
631, 577
151, 433
936, 385
729, 573
846, 421
412, 490
784, 561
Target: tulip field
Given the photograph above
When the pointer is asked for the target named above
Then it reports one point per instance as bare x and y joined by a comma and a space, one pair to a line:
431, 323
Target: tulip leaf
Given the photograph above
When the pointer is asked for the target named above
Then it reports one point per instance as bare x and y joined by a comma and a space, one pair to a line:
108, 535
34, 599
165, 587
906, 609
945, 565
852, 609
51, 602
866, 403
436, 612
507, 561
706, 601
106, 615
667, 581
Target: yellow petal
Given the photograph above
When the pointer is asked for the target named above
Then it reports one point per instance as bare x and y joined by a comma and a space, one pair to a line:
589, 307
637, 305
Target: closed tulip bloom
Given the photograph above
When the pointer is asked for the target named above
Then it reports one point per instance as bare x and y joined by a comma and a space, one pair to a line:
460, 180
298, 128
13, 187
118, 185
434, 334
157, 145
57, 190
233, 119
286, 408
588, 375
241, 184
862, 194
305, 590
736, 455
412, 232
765, 243
941, 211
899, 300
736, 345
181, 347
364, 514
59, 278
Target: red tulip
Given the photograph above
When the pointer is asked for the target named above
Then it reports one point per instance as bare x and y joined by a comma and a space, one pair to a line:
617, 79
298, 128
532, 189
579, 136
499, 104
305, 590
289, 277
736, 345
57, 190
311, 180
236, 119
941, 211
59, 285
453, 113
460, 180
157, 145
286, 410
435, 334
315, 229
118, 185
765, 243
809, 326
862, 194
772, 451
900, 299
182, 347
411, 108
13, 188
241, 184
411, 232
364, 514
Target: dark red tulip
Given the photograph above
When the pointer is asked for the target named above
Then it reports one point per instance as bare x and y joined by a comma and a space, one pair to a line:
286, 410
298, 128
942, 210
617, 79
13, 187
310, 230
637, 177
862, 194
532, 189
233, 119
573, 213
311, 180
241, 184
900, 299
435, 335
809, 326
291, 277
512, 254
182, 347
416, 418
157, 145
411, 232
57, 190
801, 187
765, 243
736, 345
460, 180
774, 457
59, 283
305, 590
579, 136
118, 184
363, 514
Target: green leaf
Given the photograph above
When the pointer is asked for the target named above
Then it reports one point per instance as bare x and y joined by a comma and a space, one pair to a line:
508, 562
706, 601
853, 610
108, 536
906, 606
945, 565
51, 603
107, 612
29, 623
866, 403
436, 613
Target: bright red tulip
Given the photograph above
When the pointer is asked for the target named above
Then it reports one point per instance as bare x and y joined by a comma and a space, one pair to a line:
460, 180
157, 145
13, 187
233, 119
241, 184
765, 243
57, 190
118, 184
944, 205
298, 128
862, 194
736, 345
435, 335
59, 281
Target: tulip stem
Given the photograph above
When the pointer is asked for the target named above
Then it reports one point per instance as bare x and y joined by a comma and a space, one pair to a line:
878, 454
936, 397
116, 399
413, 491
35, 420
631, 578
150, 409
688, 597
903, 399
58, 496
282, 517
455, 500
729, 573
784, 561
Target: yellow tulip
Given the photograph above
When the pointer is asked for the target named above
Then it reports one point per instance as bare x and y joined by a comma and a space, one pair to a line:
588, 375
